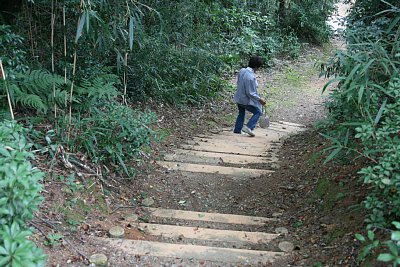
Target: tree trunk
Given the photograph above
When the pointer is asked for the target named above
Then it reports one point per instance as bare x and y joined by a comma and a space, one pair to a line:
281, 10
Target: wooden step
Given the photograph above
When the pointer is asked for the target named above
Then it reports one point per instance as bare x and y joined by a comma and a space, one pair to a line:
193, 156
209, 217
214, 254
173, 231
223, 148
199, 168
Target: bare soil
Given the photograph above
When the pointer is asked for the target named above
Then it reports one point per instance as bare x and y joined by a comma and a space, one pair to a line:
319, 203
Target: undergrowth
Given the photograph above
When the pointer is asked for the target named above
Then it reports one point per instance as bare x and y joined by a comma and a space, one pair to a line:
364, 115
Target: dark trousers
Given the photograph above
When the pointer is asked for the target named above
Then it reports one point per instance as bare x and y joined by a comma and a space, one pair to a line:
240, 118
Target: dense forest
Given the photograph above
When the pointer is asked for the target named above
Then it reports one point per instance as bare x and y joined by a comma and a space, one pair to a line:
76, 72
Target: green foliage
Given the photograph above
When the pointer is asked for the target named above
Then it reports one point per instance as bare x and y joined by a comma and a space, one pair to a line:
53, 240
16, 250
393, 246
34, 90
369, 245
12, 53
114, 133
173, 51
365, 111
19, 198
308, 19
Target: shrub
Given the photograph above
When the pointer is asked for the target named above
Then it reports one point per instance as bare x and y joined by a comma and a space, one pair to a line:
308, 19
19, 198
114, 133
364, 112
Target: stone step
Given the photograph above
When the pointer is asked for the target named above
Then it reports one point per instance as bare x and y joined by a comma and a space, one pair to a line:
214, 158
199, 168
214, 254
292, 124
179, 232
229, 149
209, 217
241, 141
228, 134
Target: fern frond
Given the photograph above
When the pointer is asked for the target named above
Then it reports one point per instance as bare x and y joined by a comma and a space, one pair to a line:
59, 97
34, 89
97, 89
31, 101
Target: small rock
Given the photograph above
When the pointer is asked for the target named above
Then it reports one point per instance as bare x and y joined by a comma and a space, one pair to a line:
148, 202
116, 232
286, 246
99, 260
281, 230
277, 214
132, 218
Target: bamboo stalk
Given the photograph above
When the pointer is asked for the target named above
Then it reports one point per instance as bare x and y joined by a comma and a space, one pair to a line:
30, 32
73, 77
3, 75
125, 78
71, 94
53, 18
65, 47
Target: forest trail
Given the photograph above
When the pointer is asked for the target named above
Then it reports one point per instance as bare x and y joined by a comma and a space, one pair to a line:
197, 204
212, 238
214, 198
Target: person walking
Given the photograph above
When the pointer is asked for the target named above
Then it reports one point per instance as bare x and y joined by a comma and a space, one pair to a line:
247, 97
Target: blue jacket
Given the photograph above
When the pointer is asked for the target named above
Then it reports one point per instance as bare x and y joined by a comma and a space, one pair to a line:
246, 93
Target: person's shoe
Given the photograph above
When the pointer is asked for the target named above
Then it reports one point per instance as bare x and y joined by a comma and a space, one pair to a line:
248, 131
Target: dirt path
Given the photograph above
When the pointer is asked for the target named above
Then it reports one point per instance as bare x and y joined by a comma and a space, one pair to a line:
316, 203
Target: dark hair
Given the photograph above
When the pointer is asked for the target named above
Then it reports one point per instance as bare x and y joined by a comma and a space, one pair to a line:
255, 62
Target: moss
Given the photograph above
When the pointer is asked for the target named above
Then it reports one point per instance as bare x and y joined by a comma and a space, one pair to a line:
329, 192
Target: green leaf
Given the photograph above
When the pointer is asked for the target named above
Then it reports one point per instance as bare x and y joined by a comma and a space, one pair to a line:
131, 31
349, 78
380, 112
395, 236
393, 24
332, 81
371, 235
81, 24
346, 138
385, 257
87, 18
4, 152
396, 224
332, 155
361, 93
360, 237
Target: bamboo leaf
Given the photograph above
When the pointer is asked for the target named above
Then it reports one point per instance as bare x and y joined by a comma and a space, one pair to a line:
333, 154
380, 112
332, 81
81, 24
361, 93
87, 17
351, 75
393, 24
332, 139
367, 66
131, 29
346, 139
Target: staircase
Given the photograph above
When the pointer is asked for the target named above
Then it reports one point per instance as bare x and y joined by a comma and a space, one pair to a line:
215, 239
